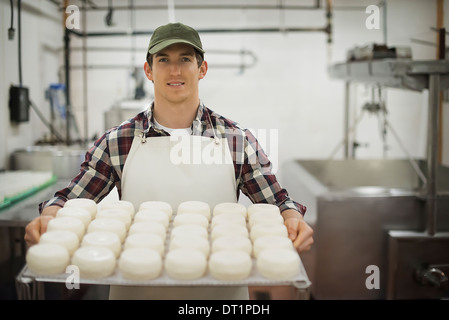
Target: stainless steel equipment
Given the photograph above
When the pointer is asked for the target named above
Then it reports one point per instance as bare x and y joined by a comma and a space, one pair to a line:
369, 213
123, 111
376, 214
63, 161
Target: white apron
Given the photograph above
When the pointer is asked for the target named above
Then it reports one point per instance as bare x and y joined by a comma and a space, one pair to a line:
176, 169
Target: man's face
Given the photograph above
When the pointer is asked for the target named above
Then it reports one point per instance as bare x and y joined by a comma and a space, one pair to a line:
175, 73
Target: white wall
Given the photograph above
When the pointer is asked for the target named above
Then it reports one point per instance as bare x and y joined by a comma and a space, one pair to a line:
288, 90
41, 42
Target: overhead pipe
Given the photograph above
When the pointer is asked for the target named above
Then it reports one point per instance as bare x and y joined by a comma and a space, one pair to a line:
222, 30
316, 6
327, 29
122, 66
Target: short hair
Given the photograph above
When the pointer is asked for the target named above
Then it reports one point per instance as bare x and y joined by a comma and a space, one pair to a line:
198, 55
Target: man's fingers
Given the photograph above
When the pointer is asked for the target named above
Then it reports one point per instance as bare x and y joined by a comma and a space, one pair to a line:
35, 228
44, 223
32, 231
292, 228
303, 243
300, 233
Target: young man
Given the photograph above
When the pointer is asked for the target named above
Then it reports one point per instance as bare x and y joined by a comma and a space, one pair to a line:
137, 157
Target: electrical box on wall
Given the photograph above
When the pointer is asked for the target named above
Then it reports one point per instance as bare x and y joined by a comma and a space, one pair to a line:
19, 108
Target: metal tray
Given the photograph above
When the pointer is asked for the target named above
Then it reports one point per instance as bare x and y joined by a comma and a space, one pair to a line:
300, 280
254, 279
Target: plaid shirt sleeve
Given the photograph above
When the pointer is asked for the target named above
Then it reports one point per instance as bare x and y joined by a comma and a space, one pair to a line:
95, 179
258, 182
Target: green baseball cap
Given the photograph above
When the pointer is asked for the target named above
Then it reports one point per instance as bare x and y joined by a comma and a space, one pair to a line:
172, 33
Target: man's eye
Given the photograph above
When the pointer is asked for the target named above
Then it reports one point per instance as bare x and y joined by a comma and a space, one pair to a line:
186, 59
163, 60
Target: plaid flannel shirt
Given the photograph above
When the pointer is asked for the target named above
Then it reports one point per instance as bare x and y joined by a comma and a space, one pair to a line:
102, 168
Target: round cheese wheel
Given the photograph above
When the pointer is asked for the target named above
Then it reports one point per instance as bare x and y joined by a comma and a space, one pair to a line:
67, 239
191, 242
103, 239
108, 224
263, 229
185, 264
145, 240
231, 217
230, 265
262, 207
157, 205
120, 214
94, 262
140, 264
67, 223
195, 207
150, 227
266, 218
119, 204
278, 263
191, 218
228, 229
189, 229
230, 207
271, 242
232, 242
74, 212
155, 215
85, 203
47, 258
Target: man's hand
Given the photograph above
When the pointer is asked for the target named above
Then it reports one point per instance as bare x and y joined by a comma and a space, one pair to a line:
38, 225
298, 231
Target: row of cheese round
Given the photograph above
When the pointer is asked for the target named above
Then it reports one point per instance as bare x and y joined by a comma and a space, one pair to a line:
94, 238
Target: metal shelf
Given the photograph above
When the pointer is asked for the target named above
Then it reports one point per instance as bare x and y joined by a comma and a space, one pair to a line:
395, 73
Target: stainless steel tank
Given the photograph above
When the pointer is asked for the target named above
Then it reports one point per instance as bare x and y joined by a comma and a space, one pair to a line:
63, 161
356, 208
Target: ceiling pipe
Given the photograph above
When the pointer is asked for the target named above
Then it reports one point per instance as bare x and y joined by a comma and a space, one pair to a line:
316, 6
220, 30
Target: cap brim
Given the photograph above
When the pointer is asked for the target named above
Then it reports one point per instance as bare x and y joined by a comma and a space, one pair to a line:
164, 44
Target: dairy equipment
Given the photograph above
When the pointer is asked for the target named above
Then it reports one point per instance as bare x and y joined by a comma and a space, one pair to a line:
363, 213
378, 214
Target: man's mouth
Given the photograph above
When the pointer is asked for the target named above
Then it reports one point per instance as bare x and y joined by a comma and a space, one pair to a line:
175, 84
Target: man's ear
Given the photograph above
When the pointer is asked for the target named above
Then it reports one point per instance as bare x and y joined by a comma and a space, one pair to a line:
203, 70
148, 71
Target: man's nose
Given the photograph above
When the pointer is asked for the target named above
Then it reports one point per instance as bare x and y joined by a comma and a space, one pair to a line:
175, 68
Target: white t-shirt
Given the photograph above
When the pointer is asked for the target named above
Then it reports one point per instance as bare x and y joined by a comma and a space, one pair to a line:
172, 132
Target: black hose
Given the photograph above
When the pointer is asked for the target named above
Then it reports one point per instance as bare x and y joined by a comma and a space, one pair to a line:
11, 2
19, 6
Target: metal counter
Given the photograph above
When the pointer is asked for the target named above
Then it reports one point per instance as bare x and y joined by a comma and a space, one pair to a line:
21, 213
13, 221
